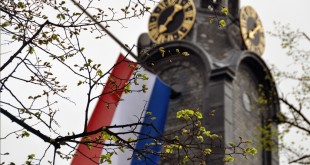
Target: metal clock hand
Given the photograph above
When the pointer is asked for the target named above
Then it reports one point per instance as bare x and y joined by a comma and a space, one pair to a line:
254, 31
176, 9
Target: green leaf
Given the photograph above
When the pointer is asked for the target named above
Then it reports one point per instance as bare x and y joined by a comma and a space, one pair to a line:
60, 16
144, 88
207, 151
127, 88
105, 135
5, 24
185, 54
89, 145
169, 149
20, 5
54, 36
79, 83
200, 138
25, 134
224, 10
211, 20
144, 77
185, 159
122, 149
222, 23
229, 159
250, 150
99, 72
31, 156
31, 50
198, 115
214, 136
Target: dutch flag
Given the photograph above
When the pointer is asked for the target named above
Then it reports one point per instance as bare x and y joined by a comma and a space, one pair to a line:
129, 108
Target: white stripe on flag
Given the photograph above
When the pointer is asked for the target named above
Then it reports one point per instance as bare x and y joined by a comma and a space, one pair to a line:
133, 107
130, 110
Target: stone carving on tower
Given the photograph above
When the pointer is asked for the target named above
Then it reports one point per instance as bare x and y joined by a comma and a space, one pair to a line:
224, 72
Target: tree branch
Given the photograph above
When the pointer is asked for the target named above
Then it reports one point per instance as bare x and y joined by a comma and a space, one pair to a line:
305, 35
28, 127
295, 110
299, 159
23, 46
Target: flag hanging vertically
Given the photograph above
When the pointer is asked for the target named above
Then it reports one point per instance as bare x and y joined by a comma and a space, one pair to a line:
114, 107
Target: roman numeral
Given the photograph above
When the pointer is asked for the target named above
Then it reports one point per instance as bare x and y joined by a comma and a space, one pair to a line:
187, 24
189, 14
243, 23
169, 37
244, 16
161, 39
180, 33
162, 5
171, 2
153, 25
154, 33
186, 5
178, 2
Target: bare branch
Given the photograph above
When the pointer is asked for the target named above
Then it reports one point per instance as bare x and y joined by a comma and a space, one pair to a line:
23, 46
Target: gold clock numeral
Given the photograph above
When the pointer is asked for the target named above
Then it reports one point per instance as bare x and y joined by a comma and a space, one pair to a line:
153, 25
156, 15
170, 37
162, 6
243, 16
161, 39
243, 23
248, 11
187, 5
154, 33
244, 32
180, 33
171, 2
188, 14
187, 24
179, 2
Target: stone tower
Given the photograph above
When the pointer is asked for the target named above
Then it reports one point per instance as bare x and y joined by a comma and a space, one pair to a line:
220, 76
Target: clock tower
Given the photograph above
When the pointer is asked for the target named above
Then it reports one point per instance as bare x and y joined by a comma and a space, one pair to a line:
224, 74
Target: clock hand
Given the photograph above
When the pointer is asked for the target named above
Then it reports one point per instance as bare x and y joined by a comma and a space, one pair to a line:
176, 9
252, 32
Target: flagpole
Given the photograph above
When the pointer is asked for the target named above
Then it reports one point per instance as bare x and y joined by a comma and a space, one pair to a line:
107, 31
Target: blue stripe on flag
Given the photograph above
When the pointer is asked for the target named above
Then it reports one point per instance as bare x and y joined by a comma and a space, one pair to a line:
158, 106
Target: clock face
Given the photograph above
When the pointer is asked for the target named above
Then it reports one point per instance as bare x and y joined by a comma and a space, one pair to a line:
252, 30
171, 20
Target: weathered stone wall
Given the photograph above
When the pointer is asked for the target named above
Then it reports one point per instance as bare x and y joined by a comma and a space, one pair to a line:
247, 117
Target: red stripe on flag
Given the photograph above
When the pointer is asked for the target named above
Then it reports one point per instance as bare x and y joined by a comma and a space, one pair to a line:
103, 114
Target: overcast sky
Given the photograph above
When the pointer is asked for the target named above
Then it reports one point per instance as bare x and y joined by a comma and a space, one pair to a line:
294, 12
